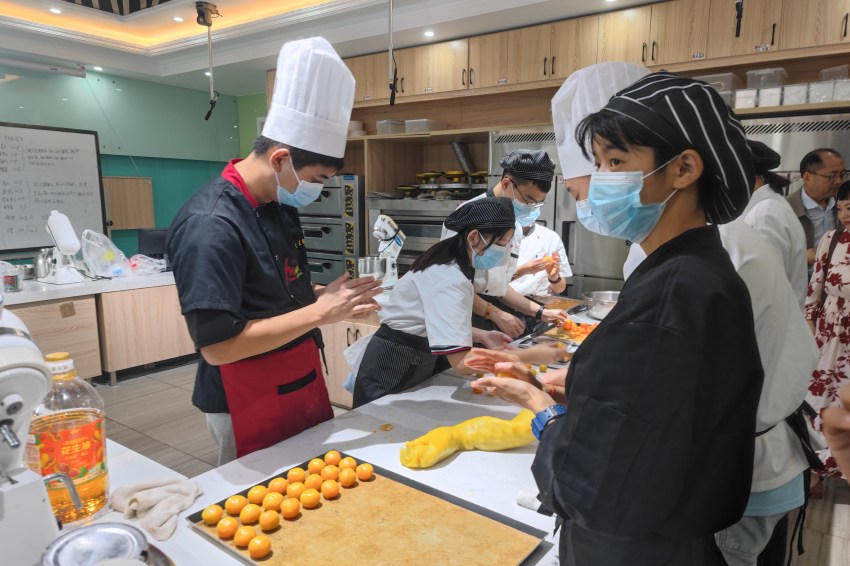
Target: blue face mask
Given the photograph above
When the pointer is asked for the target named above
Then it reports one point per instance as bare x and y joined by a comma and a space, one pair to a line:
489, 258
585, 216
305, 193
525, 213
614, 201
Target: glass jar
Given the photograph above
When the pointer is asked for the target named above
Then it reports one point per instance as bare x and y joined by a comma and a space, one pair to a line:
67, 435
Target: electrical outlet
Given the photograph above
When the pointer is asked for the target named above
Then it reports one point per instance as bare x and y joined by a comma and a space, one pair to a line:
67, 309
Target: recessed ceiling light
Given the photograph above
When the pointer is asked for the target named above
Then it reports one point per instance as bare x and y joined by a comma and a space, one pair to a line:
21, 107
177, 19
610, 0
207, 73
97, 68
56, 10
64, 100
429, 33
117, 90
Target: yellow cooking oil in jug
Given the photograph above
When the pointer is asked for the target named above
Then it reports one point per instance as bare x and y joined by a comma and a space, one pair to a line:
67, 435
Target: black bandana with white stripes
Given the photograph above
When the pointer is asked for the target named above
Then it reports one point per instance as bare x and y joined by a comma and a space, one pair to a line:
689, 113
489, 212
530, 164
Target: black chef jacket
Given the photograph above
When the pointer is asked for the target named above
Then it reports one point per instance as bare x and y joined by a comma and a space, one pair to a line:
656, 448
234, 261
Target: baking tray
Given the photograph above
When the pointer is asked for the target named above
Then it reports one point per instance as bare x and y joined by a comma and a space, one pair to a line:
309, 537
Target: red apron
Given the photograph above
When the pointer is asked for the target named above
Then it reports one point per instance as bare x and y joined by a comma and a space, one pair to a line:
275, 396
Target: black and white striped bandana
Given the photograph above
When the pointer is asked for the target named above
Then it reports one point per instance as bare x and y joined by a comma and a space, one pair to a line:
689, 113
531, 164
488, 212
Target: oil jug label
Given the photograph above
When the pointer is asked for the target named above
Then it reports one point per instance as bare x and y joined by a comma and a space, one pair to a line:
77, 452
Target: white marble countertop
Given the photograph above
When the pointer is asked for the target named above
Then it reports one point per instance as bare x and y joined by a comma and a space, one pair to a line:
34, 291
489, 479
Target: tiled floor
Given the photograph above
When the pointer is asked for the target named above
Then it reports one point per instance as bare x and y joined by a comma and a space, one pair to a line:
152, 413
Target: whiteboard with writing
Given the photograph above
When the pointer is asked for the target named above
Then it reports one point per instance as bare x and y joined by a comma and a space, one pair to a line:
44, 169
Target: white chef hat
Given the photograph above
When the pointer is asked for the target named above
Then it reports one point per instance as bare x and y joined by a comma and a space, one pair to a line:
586, 91
312, 100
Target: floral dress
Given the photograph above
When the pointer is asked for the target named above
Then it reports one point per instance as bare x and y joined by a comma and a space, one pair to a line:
832, 330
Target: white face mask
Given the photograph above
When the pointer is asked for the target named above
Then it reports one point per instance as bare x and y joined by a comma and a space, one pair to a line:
305, 193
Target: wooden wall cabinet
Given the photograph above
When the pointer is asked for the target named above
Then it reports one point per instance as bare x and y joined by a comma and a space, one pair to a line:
574, 46
370, 75
440, 67
760, 26
678, 31
488, 60
624, 36
129, 202
65, 325
141, 326
814, 22
529, 54
404, 61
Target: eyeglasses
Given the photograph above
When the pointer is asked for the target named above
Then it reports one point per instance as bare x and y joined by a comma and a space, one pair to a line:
525, 200
833, 177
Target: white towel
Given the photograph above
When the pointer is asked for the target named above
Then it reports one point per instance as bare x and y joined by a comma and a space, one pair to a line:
156, 503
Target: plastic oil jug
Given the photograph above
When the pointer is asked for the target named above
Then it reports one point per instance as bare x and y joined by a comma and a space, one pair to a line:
67, 435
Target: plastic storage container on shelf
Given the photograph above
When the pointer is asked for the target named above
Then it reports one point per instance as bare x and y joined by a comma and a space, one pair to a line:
842, 90
795, 94
770, 96
67, 436
766, 78
390, 127
835, 73
823, 91
423, 125
722, 82
746, 98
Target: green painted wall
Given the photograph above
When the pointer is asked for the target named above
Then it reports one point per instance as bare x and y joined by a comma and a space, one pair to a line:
131, 117
250, 107
173, 181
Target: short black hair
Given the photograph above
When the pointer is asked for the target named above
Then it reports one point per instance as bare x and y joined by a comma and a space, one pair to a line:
544, 187
843, 191
300, 157
775, 181
814, 159
623, 132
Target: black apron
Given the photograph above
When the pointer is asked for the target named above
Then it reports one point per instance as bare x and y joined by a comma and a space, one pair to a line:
393, 361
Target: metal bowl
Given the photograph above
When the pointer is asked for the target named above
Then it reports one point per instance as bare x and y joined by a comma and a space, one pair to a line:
372, 265
600, 303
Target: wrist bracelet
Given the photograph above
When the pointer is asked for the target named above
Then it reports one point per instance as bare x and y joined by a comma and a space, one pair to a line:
552, 392
556, 281
539, 314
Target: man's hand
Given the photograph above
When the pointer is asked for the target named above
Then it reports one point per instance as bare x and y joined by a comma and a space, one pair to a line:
810, 256
344, 298
553, 315
486, 360
531, 267
507, 323
514, 389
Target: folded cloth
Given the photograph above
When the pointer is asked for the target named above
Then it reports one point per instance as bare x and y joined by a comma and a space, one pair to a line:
156, 503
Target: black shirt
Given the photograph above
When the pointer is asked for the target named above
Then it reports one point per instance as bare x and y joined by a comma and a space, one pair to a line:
657, 442
234, 263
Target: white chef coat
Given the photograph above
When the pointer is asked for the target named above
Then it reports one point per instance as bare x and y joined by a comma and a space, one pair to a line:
539, 242
771, 216
494, 282
786, 346
435, 303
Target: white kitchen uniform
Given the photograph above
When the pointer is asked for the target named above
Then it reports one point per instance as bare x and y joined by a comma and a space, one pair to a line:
539, 242
771, 216
436, 304
494, 282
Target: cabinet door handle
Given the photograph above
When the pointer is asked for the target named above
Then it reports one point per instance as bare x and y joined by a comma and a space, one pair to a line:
643, 53
552, 67
348, 336
545, 60
463, 77
357, 334
739, 15
773, 35
402, 84
470, 76
652, 54
844, 33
